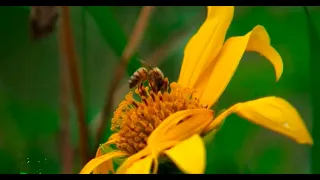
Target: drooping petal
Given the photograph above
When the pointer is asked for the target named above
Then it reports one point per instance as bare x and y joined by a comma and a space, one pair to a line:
272, 113
204, 46
142, 166
277, 115
189, 155
94, 163
218, 75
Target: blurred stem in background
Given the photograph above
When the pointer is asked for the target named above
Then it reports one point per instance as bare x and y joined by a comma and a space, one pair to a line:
67, 43
65, 146
128, 52
315, 91
85, 62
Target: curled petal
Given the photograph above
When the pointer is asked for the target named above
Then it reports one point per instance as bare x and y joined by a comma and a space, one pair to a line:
181, 125
189, 155
204, 46
176, 128
217, 76
272, 113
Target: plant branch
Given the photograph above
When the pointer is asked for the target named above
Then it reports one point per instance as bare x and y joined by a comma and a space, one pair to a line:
159, 54
129, 50
67, 44
64, 135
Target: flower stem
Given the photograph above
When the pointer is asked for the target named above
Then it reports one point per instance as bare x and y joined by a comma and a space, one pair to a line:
67, 43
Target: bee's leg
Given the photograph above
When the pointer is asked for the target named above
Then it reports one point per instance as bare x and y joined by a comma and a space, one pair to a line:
152, 84
154, 87
166, 84
142, 90
140, 86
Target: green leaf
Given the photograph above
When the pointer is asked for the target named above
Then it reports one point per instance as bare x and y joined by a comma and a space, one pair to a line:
112, 32
315, 88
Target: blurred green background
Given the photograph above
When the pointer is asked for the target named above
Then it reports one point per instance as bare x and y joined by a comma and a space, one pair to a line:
29, 82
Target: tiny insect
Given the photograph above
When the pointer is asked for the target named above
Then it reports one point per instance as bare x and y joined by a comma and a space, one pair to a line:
42, 21
154, 76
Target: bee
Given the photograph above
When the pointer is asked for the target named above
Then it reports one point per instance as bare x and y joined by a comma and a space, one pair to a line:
42, 21
153, 75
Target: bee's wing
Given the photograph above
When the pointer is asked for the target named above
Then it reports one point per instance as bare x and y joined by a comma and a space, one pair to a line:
146, 65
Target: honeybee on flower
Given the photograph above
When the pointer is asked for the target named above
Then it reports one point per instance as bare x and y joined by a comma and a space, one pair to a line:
173, 122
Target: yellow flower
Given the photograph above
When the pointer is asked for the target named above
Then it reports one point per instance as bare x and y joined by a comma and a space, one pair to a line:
171, 123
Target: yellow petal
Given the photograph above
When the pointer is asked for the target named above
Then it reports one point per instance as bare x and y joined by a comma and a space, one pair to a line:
189, 155
94, 163
229, 58
163, 131
217, 122
278, 115
104, 149
272, 113
204, 46
189, 127
142, 166
107, 166
122, 169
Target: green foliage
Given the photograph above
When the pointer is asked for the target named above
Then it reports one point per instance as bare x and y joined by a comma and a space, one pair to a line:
314, 40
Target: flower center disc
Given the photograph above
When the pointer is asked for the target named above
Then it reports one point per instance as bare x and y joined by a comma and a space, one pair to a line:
136, 117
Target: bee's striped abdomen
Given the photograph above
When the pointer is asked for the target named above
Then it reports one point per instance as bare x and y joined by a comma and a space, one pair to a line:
140, 75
